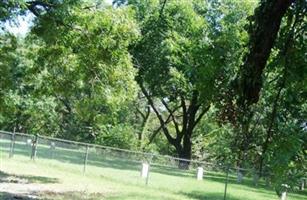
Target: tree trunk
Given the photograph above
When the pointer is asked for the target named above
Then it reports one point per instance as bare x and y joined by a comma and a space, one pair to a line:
263, 32
185, 153
190, 118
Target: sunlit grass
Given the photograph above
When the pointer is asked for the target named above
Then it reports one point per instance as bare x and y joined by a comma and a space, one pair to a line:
108, 178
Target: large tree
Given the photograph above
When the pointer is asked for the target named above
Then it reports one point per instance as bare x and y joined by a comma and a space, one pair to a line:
80, 65
266, 129
180, 57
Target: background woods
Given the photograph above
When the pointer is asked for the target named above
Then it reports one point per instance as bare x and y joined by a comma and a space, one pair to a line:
223, 81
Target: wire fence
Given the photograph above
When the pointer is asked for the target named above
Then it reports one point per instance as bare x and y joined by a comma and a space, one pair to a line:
136, 167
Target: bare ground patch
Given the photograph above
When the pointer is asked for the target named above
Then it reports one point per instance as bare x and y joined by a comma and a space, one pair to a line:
20, 187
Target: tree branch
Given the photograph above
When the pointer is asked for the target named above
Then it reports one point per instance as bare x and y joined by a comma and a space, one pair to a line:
166, 122
201, 115
184, 115
140, 112
160, 118
157, 131
162, 8
172, 116
32, 6
192, 110
269, 135
263, 33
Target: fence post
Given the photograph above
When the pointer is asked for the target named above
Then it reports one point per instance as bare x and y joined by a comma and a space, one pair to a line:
302, 186
34, 147
12, 146
239, 175
255, 177
147, 177
85, 159
52, 148
226, 183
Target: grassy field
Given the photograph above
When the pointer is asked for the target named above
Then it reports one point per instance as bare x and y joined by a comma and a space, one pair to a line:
57, 174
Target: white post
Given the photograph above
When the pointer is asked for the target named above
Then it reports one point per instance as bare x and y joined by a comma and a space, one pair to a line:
29, 142
200, 173
145, 169
52, 148
285, 187
284, 195
303, 184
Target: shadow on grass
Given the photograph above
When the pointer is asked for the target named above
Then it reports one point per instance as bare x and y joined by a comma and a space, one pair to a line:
299, 195
206, 196
11, 178
113, 160
115, 164
76, 156
302, 192
10, 196
47, 195
172, 171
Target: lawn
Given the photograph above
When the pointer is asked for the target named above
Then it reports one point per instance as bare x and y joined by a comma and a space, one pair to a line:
58, 174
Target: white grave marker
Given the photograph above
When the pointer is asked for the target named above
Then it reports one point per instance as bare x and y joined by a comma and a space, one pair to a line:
303, 184
284, 196
29, 142
284, 193
145, 168
52, 145
200, 173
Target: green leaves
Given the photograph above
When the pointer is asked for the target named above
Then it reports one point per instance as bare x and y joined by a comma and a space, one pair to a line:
81, 74
76, 76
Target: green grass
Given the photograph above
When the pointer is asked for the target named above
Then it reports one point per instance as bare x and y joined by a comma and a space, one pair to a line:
115, 176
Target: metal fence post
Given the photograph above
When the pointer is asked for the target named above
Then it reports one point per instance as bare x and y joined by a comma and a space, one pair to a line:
226, 183
147, 177
52, 147
34, 147
85, 159
13, 138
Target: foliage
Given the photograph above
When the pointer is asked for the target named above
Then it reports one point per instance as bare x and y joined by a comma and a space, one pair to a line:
78, 80
171, 77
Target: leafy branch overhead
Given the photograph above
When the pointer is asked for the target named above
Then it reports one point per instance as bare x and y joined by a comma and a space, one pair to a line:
218, 80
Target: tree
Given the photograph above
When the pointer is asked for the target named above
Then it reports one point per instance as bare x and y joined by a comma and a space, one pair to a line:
244, 89
263, 126
82, 65
263, 31
187, 52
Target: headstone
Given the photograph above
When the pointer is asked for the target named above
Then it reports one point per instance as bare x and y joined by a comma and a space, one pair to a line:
52, 145
145, 168
200, 173
29, 142
285, 187
284, 196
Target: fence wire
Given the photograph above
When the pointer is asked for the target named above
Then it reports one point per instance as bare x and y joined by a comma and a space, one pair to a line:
92, 159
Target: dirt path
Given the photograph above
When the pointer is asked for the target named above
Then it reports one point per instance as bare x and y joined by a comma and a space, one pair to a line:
29, 187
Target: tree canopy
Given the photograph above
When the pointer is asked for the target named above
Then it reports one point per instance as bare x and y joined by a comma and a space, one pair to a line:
185, 78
